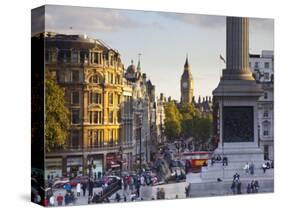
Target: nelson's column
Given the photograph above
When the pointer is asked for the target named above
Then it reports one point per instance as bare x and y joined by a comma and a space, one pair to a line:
236, 100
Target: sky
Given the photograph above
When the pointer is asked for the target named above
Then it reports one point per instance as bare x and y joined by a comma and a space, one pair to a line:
163, 39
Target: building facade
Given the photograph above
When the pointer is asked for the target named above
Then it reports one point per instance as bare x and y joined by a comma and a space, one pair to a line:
92, 75
262, 67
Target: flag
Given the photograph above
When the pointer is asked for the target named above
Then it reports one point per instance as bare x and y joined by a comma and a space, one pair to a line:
221, 57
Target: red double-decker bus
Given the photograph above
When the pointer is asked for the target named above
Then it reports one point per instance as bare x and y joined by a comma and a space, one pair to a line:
194, 159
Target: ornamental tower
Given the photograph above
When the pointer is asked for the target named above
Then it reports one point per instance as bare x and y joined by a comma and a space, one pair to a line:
186, 84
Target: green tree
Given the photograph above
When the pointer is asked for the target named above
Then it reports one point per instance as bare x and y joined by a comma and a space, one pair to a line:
57, 118
172, 121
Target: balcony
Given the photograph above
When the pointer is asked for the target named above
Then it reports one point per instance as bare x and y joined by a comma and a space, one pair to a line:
90, 149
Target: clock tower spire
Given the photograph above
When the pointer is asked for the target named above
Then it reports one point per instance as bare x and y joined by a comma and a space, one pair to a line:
186, 83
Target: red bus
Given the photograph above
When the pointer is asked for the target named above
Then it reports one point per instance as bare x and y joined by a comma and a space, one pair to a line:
195, 159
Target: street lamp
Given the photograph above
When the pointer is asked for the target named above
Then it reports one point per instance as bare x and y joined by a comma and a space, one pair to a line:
121, 158
259, 135
140, 126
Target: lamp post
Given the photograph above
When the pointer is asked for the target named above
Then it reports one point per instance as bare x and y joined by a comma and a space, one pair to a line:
121, 159
259, 135
140, 154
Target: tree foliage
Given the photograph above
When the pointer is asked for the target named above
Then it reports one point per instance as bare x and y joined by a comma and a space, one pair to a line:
187, 121
57, 116
172, 121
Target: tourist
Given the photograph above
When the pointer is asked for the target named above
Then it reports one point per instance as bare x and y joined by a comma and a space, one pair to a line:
236, 177
233, 187
256, 185
252, 168
239, 185
52, 200
78, 189
60, 199
84, 188
225, 161
264, 167
246, 168
249, 188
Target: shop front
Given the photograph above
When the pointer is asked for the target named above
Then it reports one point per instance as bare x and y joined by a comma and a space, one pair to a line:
74, 166
53, 168
95, 165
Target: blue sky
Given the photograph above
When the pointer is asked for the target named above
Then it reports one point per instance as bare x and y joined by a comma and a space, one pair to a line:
163, 39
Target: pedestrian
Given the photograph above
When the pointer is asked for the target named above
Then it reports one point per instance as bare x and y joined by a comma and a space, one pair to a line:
60, 199
66, 198
52, 201
236, 177
249, 188
78, 189
91, 187
187, 190
256, 185
264, 167
246, 168
84, 188
233, 187
253, 186
239, 185
46, 202
117, 197
252, 168
225, 161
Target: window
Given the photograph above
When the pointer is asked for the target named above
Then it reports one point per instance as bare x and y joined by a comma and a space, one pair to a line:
95, 79
256, 64
74, 142
117, 80
95, 117
96, 58
75, 116
266, 65
74, 57
266, 76
111, 60
265, 96
110, 117
75, 97
266, 128
95, 98
110, 98
75, 76
265, 114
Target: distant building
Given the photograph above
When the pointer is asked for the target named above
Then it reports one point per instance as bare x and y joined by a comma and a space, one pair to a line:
143, 113
262, 67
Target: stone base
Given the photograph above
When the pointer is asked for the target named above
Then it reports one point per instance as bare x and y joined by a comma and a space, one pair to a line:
238, 155
206, 189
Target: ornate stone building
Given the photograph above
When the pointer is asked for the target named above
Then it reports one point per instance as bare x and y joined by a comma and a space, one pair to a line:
143, 116
92, 75
186, 84
262, 67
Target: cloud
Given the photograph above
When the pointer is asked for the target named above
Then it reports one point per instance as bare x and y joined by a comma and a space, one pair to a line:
209, 21
84, 19
264, 24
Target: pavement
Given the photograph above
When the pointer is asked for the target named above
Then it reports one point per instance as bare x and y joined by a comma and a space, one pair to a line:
172, 191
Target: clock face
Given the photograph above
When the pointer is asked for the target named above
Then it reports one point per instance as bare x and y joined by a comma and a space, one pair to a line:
184, 85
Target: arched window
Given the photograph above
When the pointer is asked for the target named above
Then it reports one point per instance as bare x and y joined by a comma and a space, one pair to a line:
95, 79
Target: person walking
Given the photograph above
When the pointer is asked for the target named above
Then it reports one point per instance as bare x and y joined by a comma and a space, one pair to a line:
252, 168
52, 200
246, 168
78, 189
84, 188
264, 167
60, 199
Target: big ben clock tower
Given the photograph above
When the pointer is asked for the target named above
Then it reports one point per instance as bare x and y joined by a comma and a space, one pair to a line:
186, 84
